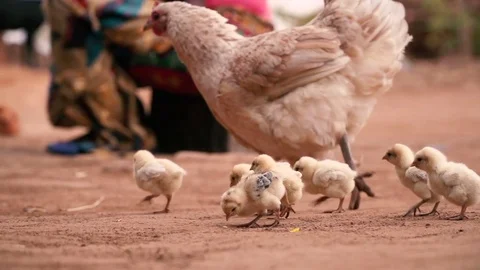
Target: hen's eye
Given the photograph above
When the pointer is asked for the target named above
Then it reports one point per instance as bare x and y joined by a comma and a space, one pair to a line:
155, 16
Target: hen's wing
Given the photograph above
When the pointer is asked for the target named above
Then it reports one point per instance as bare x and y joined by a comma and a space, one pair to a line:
151, 172
275, 63
258, 184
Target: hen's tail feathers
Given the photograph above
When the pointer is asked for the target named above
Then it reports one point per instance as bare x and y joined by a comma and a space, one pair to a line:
361, 185
374, 33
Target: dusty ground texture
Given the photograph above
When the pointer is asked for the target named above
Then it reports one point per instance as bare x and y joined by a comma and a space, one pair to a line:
430, 104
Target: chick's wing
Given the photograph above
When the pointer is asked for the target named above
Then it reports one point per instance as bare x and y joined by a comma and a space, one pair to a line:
151, 171
275, 63
256, 184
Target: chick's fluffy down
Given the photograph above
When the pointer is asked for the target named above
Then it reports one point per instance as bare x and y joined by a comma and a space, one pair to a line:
158, 176
250, 197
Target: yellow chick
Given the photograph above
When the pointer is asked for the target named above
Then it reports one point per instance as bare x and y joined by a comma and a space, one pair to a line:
157, 176
455, 181
292, 180
254, 194
416, 180
237, 172
328, 177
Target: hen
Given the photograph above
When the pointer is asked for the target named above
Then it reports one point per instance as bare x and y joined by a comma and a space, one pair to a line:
294, 92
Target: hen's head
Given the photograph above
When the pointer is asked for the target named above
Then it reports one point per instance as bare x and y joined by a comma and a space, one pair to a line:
171, 18
428, 159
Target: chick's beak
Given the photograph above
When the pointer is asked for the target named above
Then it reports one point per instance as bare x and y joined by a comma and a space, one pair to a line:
227, 216
148, 25
414, 164
384, 157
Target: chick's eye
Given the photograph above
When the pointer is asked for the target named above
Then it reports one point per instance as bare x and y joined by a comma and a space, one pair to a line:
233, 209
389, 154
419, 159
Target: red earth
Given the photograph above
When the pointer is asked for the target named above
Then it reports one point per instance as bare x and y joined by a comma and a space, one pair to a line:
430, 104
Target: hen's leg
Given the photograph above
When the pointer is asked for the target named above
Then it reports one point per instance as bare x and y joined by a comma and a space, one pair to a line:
360, 185
339, 209
252, 223
433, 212
415, 208
461, 216
148, 198
320, 200
166, 210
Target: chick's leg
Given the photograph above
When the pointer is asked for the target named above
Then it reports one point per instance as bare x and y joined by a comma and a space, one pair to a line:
251, 224
433, 212
148, 199
461, 216
339, 209
166, 210
414, 208
285, 209
277, 220
360, 184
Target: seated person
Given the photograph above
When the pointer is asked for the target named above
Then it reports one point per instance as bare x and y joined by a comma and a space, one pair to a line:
101, 57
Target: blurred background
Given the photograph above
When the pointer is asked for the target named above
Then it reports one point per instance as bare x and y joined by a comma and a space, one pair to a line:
77, 97
444, 31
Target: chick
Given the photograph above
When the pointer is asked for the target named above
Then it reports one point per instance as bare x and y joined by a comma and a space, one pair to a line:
254, 194
291, 179
416, 180
237, 172
328, 177
157, 176
455, 181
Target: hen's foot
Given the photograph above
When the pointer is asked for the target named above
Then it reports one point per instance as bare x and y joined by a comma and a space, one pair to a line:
341, 210
164, 211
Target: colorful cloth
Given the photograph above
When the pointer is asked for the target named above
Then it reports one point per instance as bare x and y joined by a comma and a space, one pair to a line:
101, 56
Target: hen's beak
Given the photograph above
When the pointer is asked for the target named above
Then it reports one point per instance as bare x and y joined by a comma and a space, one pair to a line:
148, 25
227, 216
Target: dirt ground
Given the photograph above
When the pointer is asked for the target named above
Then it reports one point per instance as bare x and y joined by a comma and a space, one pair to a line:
429, 105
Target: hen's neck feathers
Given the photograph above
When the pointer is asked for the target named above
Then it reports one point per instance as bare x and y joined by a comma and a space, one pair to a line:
201, 36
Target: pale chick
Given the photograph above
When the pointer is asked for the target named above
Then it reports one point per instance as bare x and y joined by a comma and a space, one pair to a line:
237, 172
416, 180
254, 194
292, 180
455, 181
294, 92
157, 176
328, 177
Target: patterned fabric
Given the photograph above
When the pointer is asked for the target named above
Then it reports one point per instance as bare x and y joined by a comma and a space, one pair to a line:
101, 56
